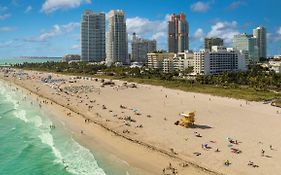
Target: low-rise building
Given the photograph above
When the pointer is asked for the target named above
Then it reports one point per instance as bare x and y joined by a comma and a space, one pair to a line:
156, 59
168, 65
71, 58
183, 60
277, 57
218, 60
170, 62
199, 61
275, 65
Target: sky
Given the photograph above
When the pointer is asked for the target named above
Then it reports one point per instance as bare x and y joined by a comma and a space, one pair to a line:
52, 27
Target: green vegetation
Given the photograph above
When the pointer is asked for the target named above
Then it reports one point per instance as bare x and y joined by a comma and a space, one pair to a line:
256, 84
278, 103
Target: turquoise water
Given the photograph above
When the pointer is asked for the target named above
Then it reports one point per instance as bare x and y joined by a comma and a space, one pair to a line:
10, 61
29, 147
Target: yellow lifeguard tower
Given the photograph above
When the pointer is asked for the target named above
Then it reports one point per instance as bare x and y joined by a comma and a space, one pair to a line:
187, 119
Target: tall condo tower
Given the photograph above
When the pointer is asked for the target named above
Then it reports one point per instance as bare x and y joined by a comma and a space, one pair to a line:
93, 37
247, 44
140, 48
178, 33
260, 34
117, 38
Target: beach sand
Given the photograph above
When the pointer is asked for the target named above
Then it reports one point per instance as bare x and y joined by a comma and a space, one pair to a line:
143, 133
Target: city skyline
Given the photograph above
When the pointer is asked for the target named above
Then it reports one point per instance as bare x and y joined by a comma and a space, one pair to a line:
52, 28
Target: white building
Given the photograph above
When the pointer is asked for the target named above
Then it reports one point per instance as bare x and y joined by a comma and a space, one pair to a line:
71, 58
168, 65
218, 60
277, 57
170, 62
199, 61
93, 37
117, 38
183, 60
275, 65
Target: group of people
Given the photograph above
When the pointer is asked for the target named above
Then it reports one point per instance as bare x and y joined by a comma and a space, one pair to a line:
170, 170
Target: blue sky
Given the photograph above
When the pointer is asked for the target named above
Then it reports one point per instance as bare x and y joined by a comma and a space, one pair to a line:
52, 27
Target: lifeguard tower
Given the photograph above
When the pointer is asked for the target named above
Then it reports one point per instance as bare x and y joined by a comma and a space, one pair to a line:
187, 120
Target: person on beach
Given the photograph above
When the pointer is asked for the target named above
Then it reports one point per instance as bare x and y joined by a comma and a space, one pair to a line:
262, 153
251, 163
227, 163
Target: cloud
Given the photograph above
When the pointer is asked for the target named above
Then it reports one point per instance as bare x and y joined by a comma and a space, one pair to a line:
200, 6
75, 47
152, 29
198, 35
235, 5
148, 28
225, 30
3, 8
275, 37
159, 35
7, 29
4, 16
3, 13
6, 44
15, 2
28, 9
144, 26
55, 31
70, 26
279, 31
53, 5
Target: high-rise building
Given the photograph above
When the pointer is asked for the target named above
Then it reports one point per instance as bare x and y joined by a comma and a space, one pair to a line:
117, 38
93, 36
178, 33
218, 60
140, 48
247, 44
260, 35
210, 42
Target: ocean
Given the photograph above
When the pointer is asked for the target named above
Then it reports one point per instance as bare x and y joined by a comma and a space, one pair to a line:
10, 61
28, 146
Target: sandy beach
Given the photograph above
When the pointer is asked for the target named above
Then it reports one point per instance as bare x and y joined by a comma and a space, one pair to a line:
135, 122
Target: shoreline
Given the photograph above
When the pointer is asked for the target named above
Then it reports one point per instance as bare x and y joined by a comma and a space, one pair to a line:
220, 116
149, 153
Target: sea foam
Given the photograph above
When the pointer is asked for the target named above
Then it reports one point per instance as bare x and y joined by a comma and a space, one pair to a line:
47, 138
21, 114
81, 161
75, 158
